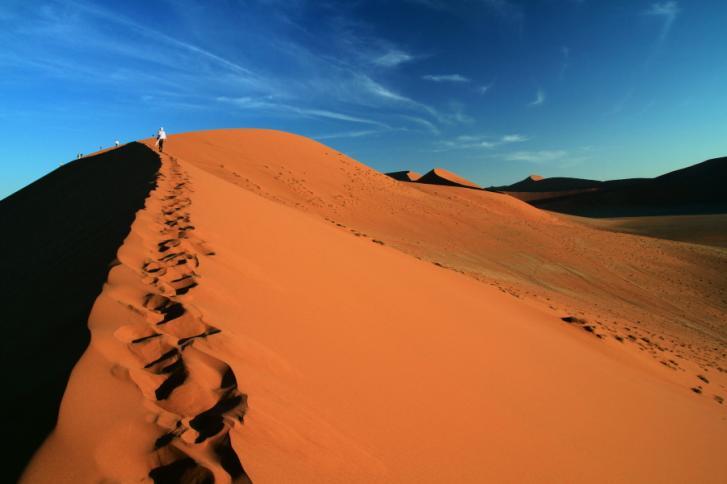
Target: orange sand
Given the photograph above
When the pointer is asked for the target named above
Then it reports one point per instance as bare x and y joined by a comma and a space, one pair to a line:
360, 360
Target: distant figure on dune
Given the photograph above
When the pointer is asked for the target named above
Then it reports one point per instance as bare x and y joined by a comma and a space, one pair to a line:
161, 136
116, 143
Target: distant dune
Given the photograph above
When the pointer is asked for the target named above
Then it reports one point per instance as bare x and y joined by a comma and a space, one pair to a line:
535, 188
536, 183
697, 189
440, 176
407, 176
280, 312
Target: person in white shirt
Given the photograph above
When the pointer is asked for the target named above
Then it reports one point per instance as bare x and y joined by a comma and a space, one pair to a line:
161, 136
116, 143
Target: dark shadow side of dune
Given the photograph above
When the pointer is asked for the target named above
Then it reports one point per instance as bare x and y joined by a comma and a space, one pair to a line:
695, 190
60, 235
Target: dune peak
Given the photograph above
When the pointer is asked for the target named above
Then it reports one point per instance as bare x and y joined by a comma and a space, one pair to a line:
440, 176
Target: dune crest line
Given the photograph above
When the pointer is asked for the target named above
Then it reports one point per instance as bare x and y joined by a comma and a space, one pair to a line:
176, 376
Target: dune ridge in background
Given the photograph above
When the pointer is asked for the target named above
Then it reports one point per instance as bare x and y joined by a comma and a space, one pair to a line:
407, 176
60, 234
440, 176
687, 205
503, 365
695, 190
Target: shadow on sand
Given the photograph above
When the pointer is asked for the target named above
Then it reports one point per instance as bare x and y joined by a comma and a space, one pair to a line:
59, 236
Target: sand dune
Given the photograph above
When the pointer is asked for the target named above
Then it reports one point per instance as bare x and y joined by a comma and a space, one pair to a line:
440, 176
407, 176
697, 189
254, 327
523, 250
536, 183
537, 190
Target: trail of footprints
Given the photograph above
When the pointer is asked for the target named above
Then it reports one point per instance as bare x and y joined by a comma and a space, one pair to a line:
195, 394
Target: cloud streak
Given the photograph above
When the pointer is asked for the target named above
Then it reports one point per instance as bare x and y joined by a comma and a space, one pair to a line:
393, 58
347, 134
542, 156
455, 78
667, 12
539, 99
257, 104
469, 142
485, 88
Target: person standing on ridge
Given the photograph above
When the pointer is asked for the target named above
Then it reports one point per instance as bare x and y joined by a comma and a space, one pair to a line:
161, 136
116, 143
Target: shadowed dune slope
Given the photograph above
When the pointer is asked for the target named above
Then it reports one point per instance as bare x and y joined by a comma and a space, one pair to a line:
698, 189
440, 176
555, 184
59, 236
406, 176
538, 189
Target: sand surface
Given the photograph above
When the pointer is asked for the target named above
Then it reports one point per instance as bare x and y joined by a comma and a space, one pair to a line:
284, 313
706, 229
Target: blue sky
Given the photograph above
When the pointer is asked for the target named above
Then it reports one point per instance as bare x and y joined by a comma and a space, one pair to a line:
492, 89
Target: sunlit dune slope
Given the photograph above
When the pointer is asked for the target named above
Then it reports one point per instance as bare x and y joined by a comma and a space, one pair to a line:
342, 381
616, 279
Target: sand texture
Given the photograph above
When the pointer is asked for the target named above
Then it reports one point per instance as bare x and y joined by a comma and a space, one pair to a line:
279, 312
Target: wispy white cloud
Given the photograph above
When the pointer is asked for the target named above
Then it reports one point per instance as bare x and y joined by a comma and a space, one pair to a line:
456, 114
514, 138
273, 107
539, 98
485, 88
426, 124
541, 156
347, 134
468, 142
667, 12
393, 58
113, 16
150, 61
456, 78
382, 92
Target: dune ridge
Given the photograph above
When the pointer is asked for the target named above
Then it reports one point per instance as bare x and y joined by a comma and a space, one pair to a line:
406, 176
191, 395
440, 176
165, 346
59, 235
343, 382
694, 190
